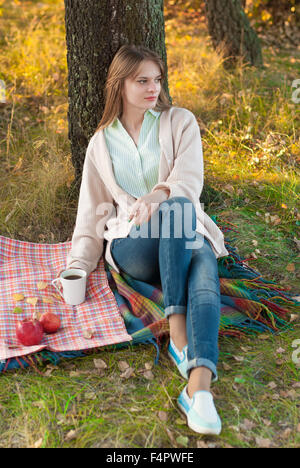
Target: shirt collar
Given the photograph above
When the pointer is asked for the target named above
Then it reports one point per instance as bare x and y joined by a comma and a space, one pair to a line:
151, 111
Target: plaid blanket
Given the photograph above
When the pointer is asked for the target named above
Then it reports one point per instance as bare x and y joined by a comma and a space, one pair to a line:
119, 310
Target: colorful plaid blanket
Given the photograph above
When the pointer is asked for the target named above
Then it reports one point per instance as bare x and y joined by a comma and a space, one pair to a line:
120, 311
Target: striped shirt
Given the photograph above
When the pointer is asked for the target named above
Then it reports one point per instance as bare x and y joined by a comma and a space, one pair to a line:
135, 167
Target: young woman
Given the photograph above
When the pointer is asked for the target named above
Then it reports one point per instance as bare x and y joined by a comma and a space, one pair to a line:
141, 185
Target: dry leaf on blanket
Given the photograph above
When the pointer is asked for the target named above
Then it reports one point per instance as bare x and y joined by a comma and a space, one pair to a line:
88, 333
32, 300
47, 300
18, 297
41, 285
17, 310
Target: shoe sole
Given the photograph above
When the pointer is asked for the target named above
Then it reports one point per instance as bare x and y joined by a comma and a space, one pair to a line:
195, 427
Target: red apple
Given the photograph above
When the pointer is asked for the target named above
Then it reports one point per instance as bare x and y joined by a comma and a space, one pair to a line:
29, 332
50, 322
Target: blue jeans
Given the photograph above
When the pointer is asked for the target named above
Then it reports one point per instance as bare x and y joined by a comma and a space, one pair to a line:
168, 250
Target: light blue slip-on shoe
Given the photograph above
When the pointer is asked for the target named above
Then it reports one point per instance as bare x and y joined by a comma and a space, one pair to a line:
179, 358
202, 416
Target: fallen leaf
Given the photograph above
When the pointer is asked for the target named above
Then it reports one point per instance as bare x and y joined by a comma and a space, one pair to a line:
100, 364
17, 310
39, 404
128, 373
290, 267
57, 296
247, 425
42, 285
275, 220
90, 396
49, 371
272, 385
226, 366
47, 300
245, 348
148, 365
18, 297
71, 435
123, 365
38, 443
286, 433
201, 444
32, 300
238, 358
148, 375
88, 333
163, 416
182, 440
263, 443
297, 242
267, 422
280, 350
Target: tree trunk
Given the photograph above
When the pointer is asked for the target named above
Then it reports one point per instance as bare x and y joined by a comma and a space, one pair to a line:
231, 32
95, 30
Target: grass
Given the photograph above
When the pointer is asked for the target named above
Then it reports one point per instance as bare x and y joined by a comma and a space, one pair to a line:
251, 155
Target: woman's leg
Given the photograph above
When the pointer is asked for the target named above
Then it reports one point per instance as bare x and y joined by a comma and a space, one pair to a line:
187, 267
203, 318
177, 239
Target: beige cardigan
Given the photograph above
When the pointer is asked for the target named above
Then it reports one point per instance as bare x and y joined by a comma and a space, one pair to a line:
103, 206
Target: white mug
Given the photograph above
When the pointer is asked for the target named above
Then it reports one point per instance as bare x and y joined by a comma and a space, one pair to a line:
73, 289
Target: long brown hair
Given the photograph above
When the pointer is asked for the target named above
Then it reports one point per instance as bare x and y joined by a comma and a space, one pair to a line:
124, 64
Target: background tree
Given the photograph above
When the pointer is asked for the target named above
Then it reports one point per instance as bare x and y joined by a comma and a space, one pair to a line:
95, 30
231, 32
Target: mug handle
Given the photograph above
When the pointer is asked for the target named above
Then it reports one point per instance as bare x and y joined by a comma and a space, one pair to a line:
53, 283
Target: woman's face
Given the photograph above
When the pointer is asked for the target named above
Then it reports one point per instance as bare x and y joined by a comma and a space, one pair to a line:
146, 84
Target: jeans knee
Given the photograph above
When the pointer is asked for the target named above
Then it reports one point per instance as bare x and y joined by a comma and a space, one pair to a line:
179, 215
180, 205
180, 200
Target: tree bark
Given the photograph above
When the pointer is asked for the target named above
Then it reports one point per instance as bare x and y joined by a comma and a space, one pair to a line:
95, 30
231, 32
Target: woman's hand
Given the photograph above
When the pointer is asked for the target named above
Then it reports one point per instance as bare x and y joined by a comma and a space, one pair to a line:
145, 206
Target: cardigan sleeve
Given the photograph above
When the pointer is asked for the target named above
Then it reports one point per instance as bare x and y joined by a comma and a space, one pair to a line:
95, 205
186, 178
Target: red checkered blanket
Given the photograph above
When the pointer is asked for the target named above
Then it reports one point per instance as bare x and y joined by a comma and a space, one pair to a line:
24, 267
